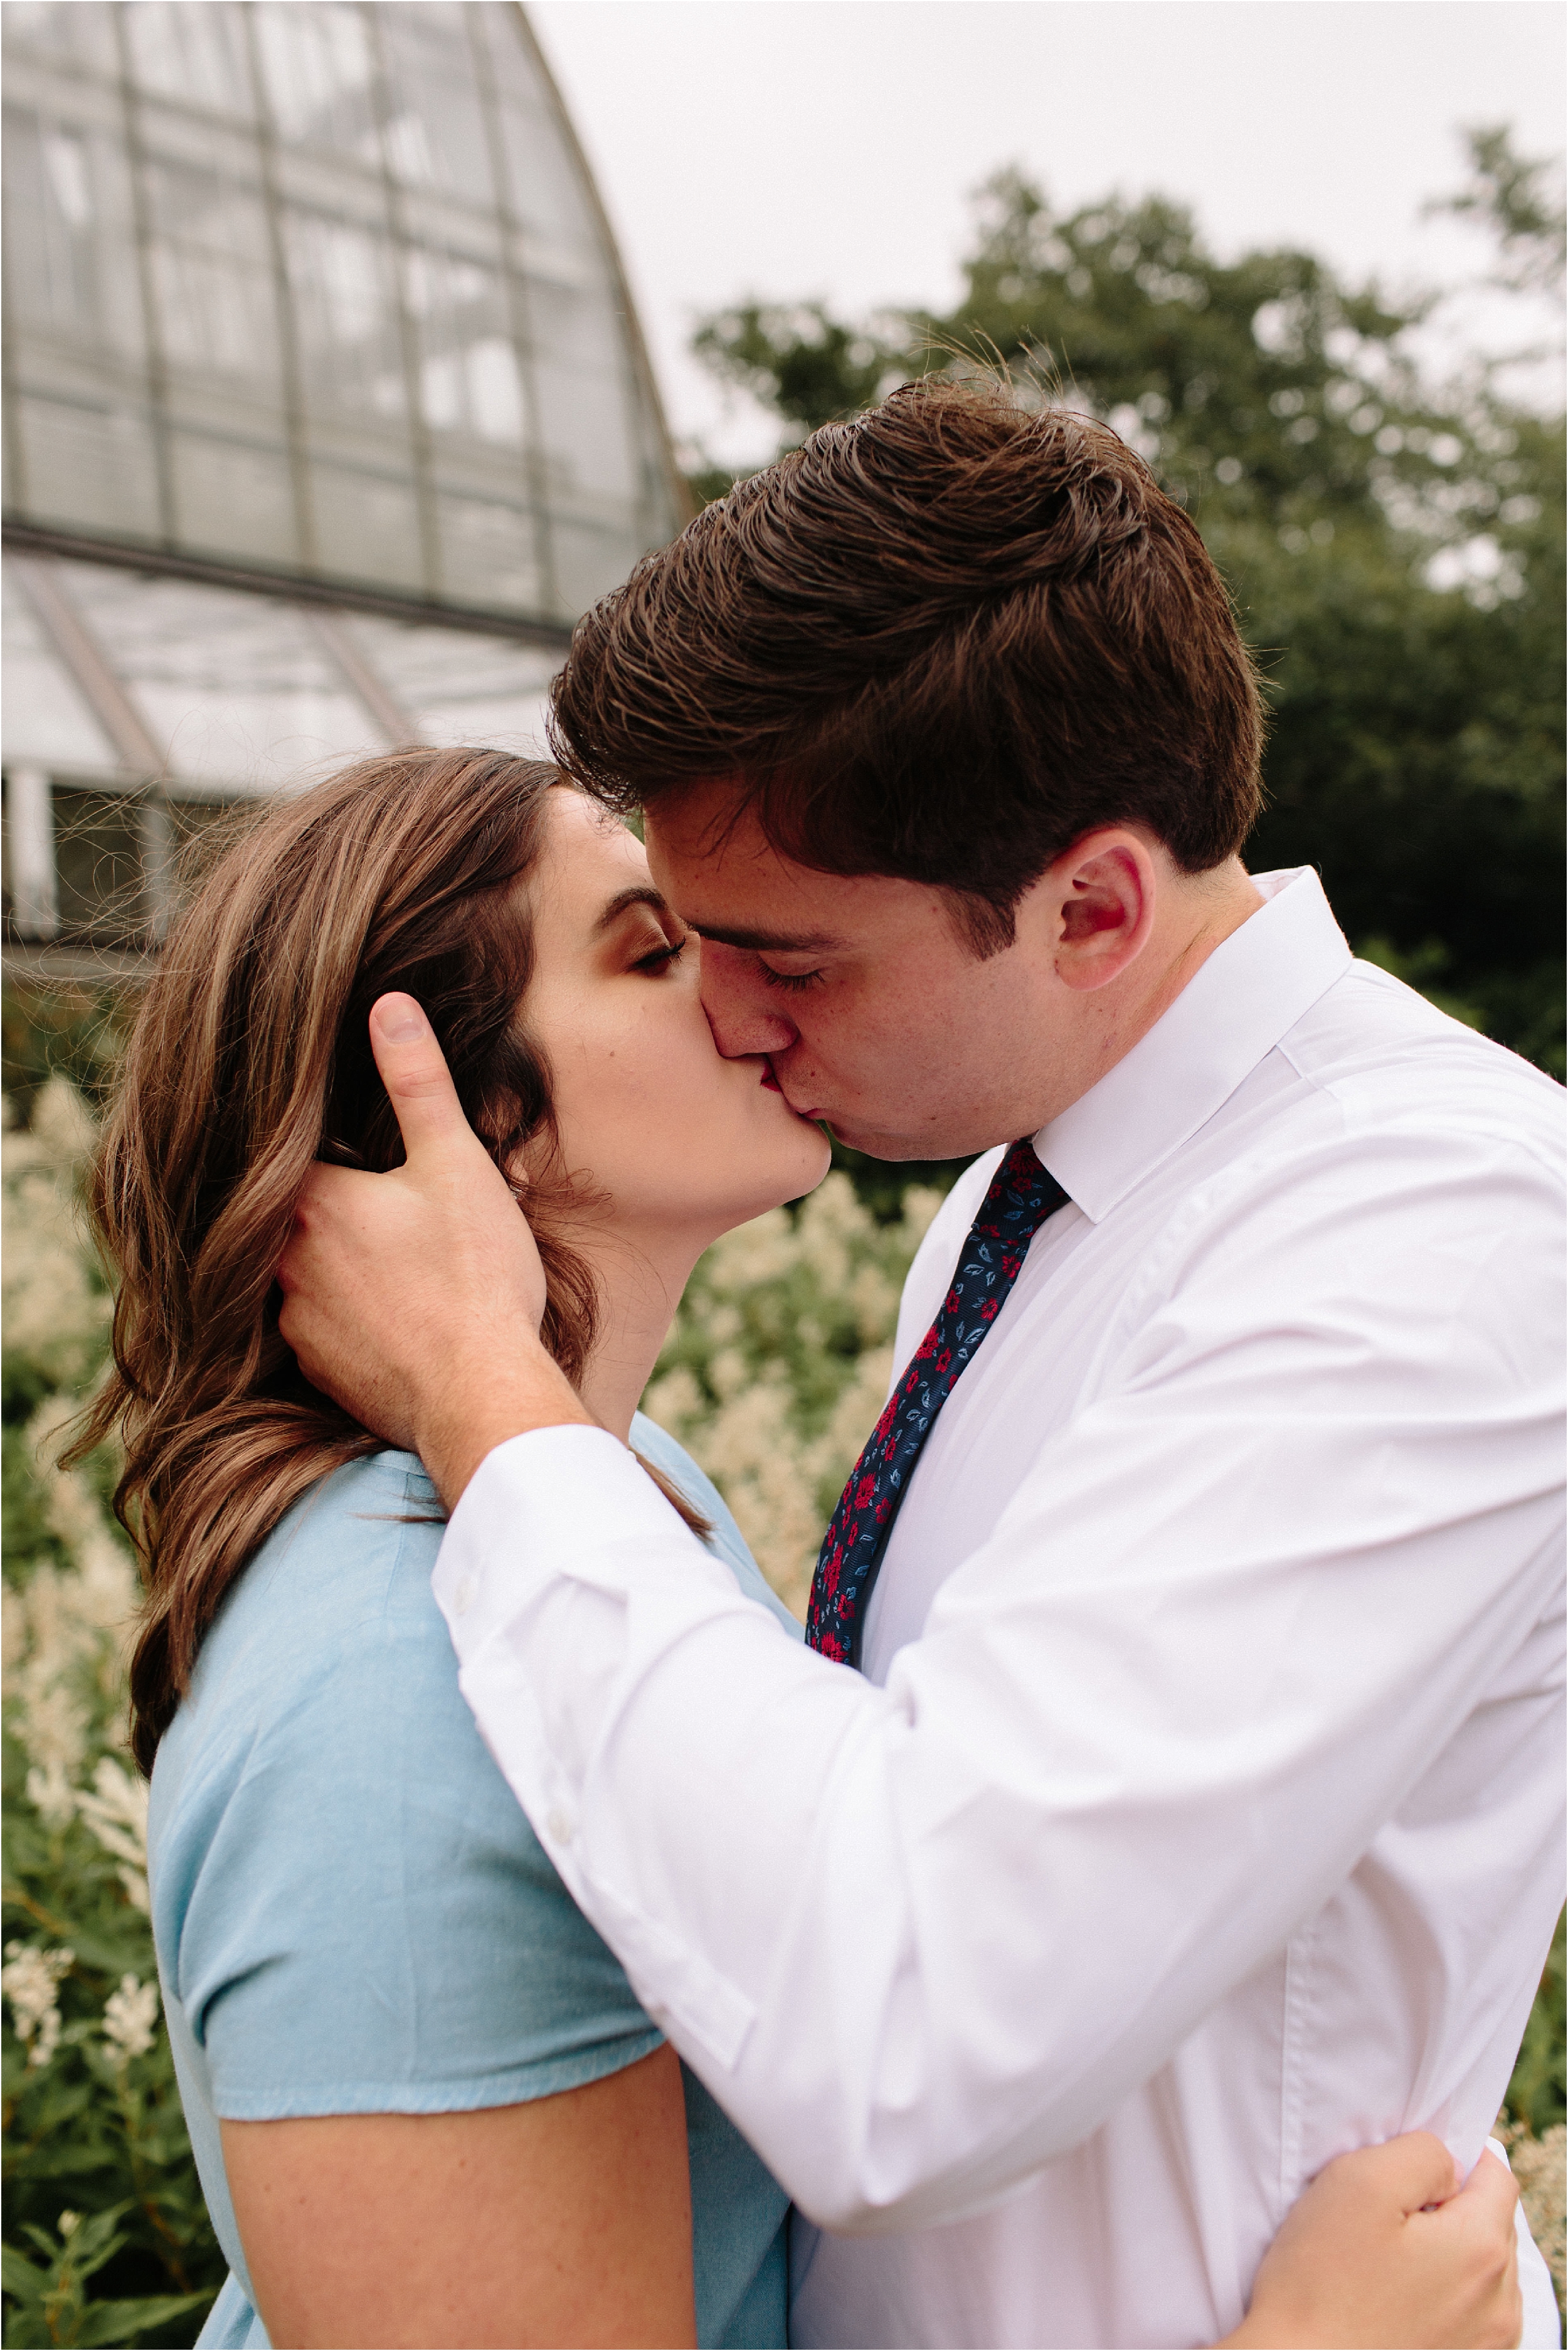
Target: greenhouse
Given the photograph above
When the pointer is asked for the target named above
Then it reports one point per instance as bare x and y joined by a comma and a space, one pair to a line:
326, 414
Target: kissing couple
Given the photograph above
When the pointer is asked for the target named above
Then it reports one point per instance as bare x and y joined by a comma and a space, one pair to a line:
1115, 1921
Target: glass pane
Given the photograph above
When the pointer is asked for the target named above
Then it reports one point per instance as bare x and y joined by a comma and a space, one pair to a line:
90, 465
459, 688
578, 324
197, 53
233, 498
212, 279
545, 192
585, 429
44, 717
470, 383
544, 189
414, 350
487, 553
434, 133
589, 562
97, 857
317, 64
77, 30
70, 261
239, 687
345, 311
367, 527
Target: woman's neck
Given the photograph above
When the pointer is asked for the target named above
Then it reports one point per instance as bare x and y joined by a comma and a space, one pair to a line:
639, 1286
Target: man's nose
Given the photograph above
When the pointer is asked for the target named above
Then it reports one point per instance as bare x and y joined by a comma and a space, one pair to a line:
735, 999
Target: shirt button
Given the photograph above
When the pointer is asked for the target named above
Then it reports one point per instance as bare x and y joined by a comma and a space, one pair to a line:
463, 1595
560, 1825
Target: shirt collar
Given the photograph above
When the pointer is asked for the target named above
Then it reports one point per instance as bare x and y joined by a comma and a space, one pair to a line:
1236, 1008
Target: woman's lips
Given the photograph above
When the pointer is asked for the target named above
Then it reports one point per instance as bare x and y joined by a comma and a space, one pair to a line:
769, 1080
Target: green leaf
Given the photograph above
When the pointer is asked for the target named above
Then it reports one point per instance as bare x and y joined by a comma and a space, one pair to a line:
123, 2321
18, 2276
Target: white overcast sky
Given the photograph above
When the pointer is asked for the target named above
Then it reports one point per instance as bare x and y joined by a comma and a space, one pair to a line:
827, 148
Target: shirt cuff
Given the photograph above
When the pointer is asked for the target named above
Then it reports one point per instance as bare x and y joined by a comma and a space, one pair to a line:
557, 1503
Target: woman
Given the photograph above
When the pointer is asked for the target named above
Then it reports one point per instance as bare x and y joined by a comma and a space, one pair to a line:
425, 2106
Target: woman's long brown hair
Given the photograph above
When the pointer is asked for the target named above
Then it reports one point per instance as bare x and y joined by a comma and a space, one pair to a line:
250, 1059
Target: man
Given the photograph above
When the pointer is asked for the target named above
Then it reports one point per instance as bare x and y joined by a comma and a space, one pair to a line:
1195, 1812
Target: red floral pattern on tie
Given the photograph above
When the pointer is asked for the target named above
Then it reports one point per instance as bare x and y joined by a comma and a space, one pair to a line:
1021, 1196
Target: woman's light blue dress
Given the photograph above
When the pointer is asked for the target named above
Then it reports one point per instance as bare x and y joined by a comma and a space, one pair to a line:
353, 1914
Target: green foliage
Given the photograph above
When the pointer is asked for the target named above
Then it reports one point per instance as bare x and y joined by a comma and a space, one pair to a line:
803, 364
1394, 545
108, 2240
1509, 194
1536, 2095
50, 2304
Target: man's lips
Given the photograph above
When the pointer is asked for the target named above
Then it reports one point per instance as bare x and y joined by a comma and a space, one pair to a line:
770, 1080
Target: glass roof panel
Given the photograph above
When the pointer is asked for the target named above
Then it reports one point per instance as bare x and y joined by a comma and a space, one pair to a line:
238, 690
307, 284
45, 720
462, 688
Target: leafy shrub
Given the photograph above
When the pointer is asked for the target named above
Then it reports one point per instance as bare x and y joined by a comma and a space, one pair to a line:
108, 2240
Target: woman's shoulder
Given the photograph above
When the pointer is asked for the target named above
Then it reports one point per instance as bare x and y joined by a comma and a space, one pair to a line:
328, 1636
348, 1904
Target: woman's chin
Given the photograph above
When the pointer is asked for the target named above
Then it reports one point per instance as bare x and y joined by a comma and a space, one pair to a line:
788, 1176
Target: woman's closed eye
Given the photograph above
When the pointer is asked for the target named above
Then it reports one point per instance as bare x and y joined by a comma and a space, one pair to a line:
661, 958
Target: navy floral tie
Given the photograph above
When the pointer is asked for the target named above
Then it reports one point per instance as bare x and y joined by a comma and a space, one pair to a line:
1022, 1195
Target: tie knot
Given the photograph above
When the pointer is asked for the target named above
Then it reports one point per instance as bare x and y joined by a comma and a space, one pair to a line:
1022, 1195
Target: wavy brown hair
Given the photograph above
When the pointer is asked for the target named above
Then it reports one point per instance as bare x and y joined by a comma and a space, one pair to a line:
249, 1060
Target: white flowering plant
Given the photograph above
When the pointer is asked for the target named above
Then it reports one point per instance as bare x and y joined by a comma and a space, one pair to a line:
107, 2237
779, 1360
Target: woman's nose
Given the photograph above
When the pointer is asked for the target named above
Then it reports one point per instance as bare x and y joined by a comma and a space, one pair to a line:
735, 999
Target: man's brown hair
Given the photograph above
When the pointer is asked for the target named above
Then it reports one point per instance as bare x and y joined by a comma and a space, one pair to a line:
942, 641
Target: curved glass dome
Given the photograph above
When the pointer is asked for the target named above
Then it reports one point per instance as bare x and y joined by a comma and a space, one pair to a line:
322, 291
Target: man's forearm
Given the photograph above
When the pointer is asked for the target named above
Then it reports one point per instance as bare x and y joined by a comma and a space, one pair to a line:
843, 1903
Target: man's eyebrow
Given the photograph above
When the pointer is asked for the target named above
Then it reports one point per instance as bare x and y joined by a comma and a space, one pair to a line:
771, 942
641, 894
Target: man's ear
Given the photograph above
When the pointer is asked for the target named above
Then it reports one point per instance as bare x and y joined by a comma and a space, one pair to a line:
1104, 893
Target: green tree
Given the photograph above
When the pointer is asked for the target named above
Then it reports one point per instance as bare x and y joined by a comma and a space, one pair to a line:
1394, 545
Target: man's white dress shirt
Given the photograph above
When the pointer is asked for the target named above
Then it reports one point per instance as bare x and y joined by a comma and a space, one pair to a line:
1199, 1813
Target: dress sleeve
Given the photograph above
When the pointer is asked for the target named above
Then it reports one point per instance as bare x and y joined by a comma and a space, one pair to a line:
371, 1925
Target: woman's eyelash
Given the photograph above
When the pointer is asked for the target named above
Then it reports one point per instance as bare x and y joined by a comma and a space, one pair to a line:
794, 979
661, 956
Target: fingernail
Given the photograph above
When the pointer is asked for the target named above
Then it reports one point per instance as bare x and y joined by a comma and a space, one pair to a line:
400, 1020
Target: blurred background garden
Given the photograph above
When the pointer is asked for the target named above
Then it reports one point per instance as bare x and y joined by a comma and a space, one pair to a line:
327, 410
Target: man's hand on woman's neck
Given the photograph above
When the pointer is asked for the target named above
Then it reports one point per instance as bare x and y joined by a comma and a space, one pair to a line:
448, 1361
414, 1299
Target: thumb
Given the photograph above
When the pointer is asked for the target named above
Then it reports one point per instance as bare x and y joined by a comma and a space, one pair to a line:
416, 1077
1491, 2190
